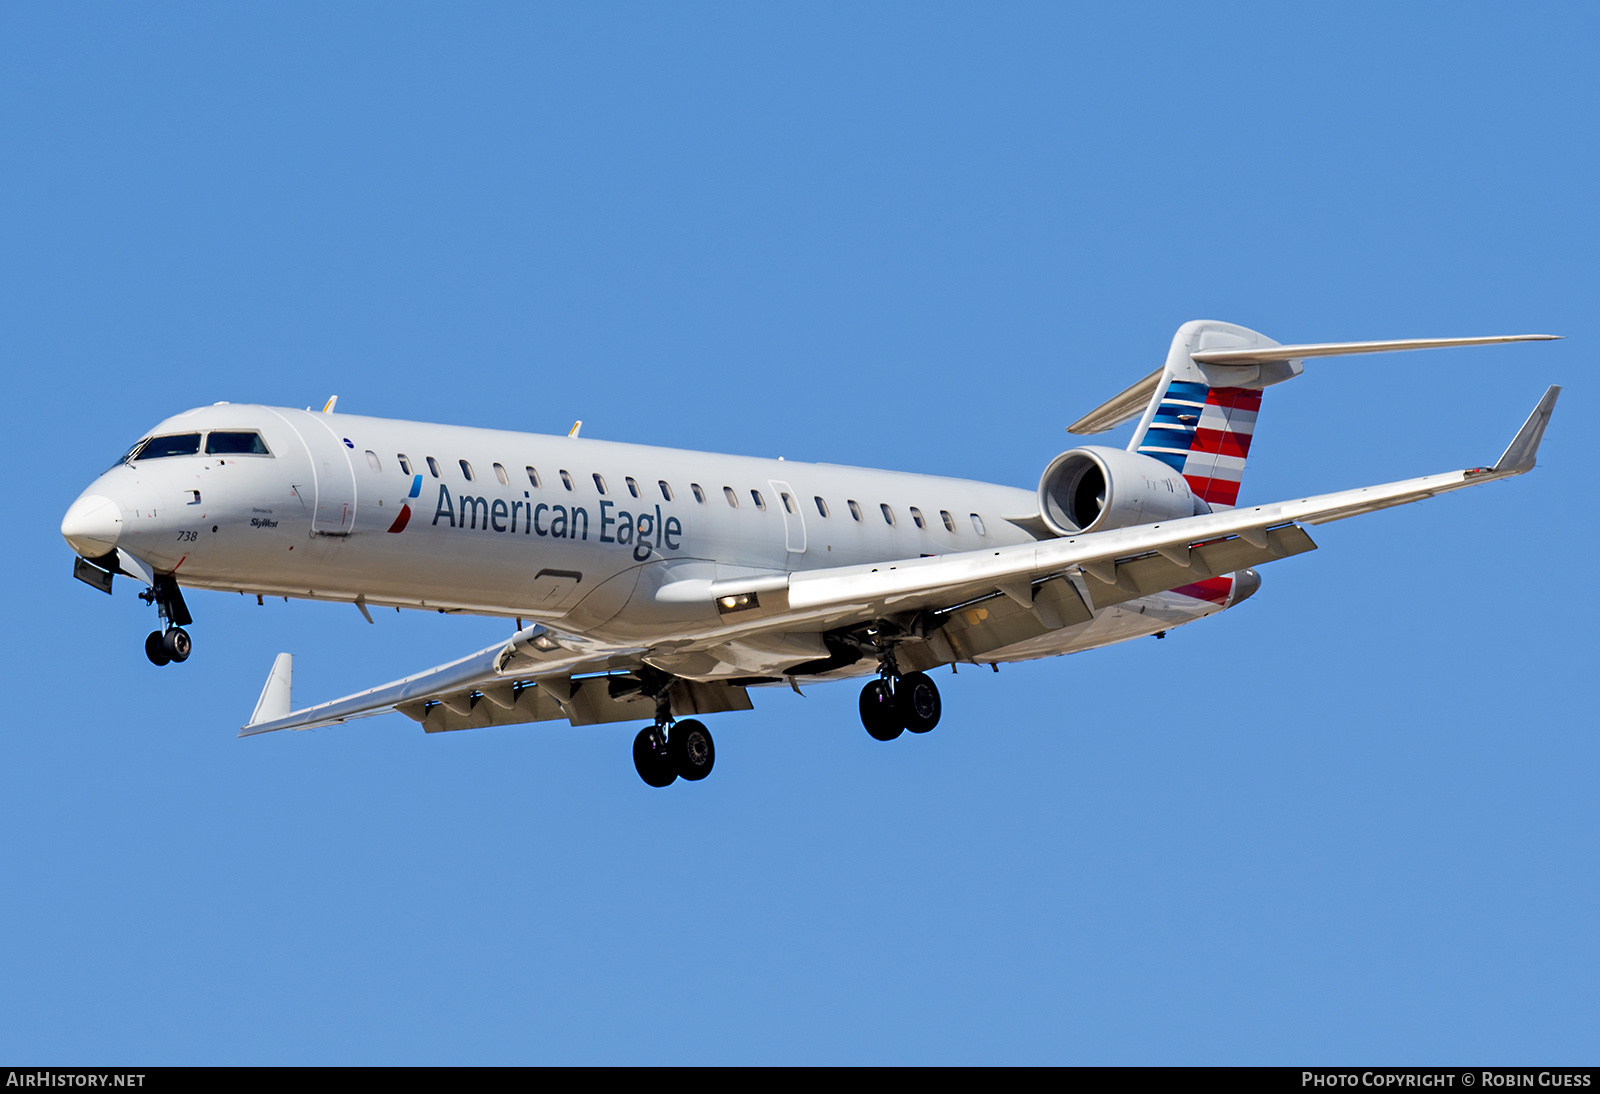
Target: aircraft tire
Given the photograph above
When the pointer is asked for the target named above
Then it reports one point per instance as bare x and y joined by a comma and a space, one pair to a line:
917, 698
654, 761
693, 749
155, 650
879, 713
177, 644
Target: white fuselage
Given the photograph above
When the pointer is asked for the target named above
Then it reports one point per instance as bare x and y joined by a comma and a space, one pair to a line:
450, 518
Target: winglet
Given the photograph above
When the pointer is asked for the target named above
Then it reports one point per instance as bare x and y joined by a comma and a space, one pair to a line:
333, 402
1524, 447
274, 701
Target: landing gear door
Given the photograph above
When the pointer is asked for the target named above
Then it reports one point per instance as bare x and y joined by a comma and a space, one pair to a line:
794, 521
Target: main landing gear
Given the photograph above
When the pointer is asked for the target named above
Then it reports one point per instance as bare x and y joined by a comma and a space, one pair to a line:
172, 642
671, 750
894, 703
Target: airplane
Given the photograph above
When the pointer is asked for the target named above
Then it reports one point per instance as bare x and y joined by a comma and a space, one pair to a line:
661, 585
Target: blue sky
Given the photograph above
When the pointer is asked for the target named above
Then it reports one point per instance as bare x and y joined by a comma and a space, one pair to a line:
1352, 820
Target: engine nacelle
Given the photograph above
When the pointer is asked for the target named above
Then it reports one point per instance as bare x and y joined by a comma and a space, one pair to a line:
1094, 489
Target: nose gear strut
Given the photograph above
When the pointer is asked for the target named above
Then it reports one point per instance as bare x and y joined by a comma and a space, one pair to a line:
172, 642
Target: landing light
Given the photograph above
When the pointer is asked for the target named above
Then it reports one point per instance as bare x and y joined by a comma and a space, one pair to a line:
544, 642
737, 603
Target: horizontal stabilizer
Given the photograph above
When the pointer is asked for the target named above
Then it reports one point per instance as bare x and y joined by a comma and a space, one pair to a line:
1261, 355
1119, 408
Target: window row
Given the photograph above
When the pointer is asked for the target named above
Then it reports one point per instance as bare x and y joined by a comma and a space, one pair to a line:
729, 493
504, 478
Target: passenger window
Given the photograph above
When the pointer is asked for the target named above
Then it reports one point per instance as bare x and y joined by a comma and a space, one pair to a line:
822, 506
466, 469
156, 448
566, 480
433, 466
916, 517
235, 444
500, 473
633, 487
666, 491
699, 494
599, 483
755, 495
533, 477
888, 514
855, 510
733, 499
788, 502
405, 464
949, 521
372, 460
977, 524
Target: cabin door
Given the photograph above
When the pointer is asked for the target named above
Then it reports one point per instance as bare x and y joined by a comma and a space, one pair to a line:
794, 521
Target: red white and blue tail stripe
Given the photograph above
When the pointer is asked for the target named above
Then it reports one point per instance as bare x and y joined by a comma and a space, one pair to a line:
1204, 433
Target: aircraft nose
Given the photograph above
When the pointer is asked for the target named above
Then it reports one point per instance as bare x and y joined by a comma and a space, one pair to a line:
92, 525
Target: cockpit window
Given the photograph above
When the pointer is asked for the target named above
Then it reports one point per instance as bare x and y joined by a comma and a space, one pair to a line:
128, 455
179, 444
235, 444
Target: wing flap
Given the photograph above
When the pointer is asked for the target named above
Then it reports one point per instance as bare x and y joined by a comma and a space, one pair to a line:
1156, 572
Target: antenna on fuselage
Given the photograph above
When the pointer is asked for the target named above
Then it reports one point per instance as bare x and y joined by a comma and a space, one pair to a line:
577, 425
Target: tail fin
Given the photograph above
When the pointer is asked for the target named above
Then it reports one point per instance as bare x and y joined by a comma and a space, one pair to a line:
1201, 417
1200, 407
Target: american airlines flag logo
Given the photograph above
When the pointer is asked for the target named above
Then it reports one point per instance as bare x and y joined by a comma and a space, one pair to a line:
1204, 434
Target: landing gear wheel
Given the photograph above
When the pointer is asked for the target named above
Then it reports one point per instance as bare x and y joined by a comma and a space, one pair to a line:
918, 701
154, 649
692, 748
879, 713
656, 764
176, 644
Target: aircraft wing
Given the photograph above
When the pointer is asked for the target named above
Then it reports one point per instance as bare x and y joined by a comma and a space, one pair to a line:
530, 677
1112, 559
498, 676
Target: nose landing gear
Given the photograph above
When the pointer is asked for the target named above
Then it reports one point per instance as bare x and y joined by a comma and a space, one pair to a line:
173, 642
